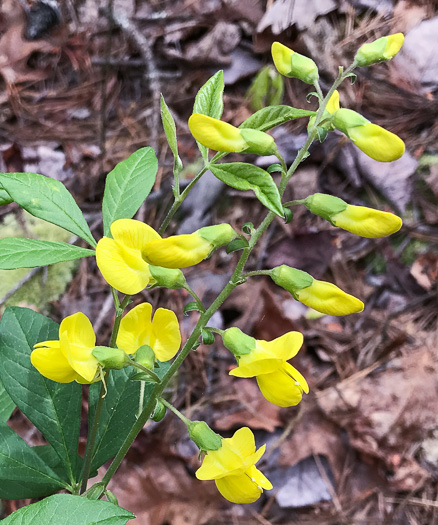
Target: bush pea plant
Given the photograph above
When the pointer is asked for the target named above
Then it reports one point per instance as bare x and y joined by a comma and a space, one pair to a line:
44, 366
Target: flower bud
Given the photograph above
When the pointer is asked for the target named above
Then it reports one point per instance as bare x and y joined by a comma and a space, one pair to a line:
114, 358
359, 220
221, 136
322, 296
202, 435
145, 356
380, 50
237, 342
168, 277
293, 65
374, 141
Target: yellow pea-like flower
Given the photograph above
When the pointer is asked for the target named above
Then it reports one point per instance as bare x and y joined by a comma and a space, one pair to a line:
233, 469
180, 251
120, 260
359, 220
375, 141
293, 65
221, 136
162, 334
322, 296
279, 382
69, 358
380, 50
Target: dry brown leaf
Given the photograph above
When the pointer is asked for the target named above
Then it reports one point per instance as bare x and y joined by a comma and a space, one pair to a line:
254, 410
425, 270
389, 411
15, 52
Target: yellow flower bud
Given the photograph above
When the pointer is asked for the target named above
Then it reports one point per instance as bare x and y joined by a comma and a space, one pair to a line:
180, 251
359, 220
232, 466
71, 357
293, 65
374, 141
322, 296
380, 50
221, 136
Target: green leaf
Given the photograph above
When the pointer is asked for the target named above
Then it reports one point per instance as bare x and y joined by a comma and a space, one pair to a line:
6, 404
47, 199
119, 411
127, 186
54, 408
207, 337
242, 176
209, 102
169, 127
237, 244
191, 307
5, 198
272, 116
66, 509
17, 252
23, 474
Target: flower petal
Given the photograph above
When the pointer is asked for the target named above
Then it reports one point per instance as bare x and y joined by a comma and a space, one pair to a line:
327, 298
279, 388
376, 142
239, 488
166, 334
135, 329
124, 269
79, 329
284, 347
216, 134
133, 234
51, 363
296, 376
367, 222
178, 251
259, 478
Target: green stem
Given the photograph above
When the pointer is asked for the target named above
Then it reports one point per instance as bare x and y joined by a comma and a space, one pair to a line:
180, 199
195, 297
175, 411
294, 203
145, 370
91, 441
256, 272
89, 449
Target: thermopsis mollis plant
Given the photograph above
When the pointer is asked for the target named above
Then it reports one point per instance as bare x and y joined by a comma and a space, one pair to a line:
43, 365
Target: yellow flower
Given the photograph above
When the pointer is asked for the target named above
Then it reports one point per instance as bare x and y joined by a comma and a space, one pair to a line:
279, 381
119, 259
333, 103
233, 468
359, 220
376, 142
380, 50
161, 334
70, 358
293, 65
221, 136
322, 296
180, 251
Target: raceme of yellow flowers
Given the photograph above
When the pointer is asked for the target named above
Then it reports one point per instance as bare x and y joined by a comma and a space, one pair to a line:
135, 256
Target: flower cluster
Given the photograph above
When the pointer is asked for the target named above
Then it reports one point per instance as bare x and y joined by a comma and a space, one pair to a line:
134, 256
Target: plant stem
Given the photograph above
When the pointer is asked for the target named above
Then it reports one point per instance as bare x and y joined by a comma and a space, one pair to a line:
145, 370
195, 297
256, 272
175, 411
91, 441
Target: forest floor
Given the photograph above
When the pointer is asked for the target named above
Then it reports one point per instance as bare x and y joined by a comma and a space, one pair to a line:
83, 93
